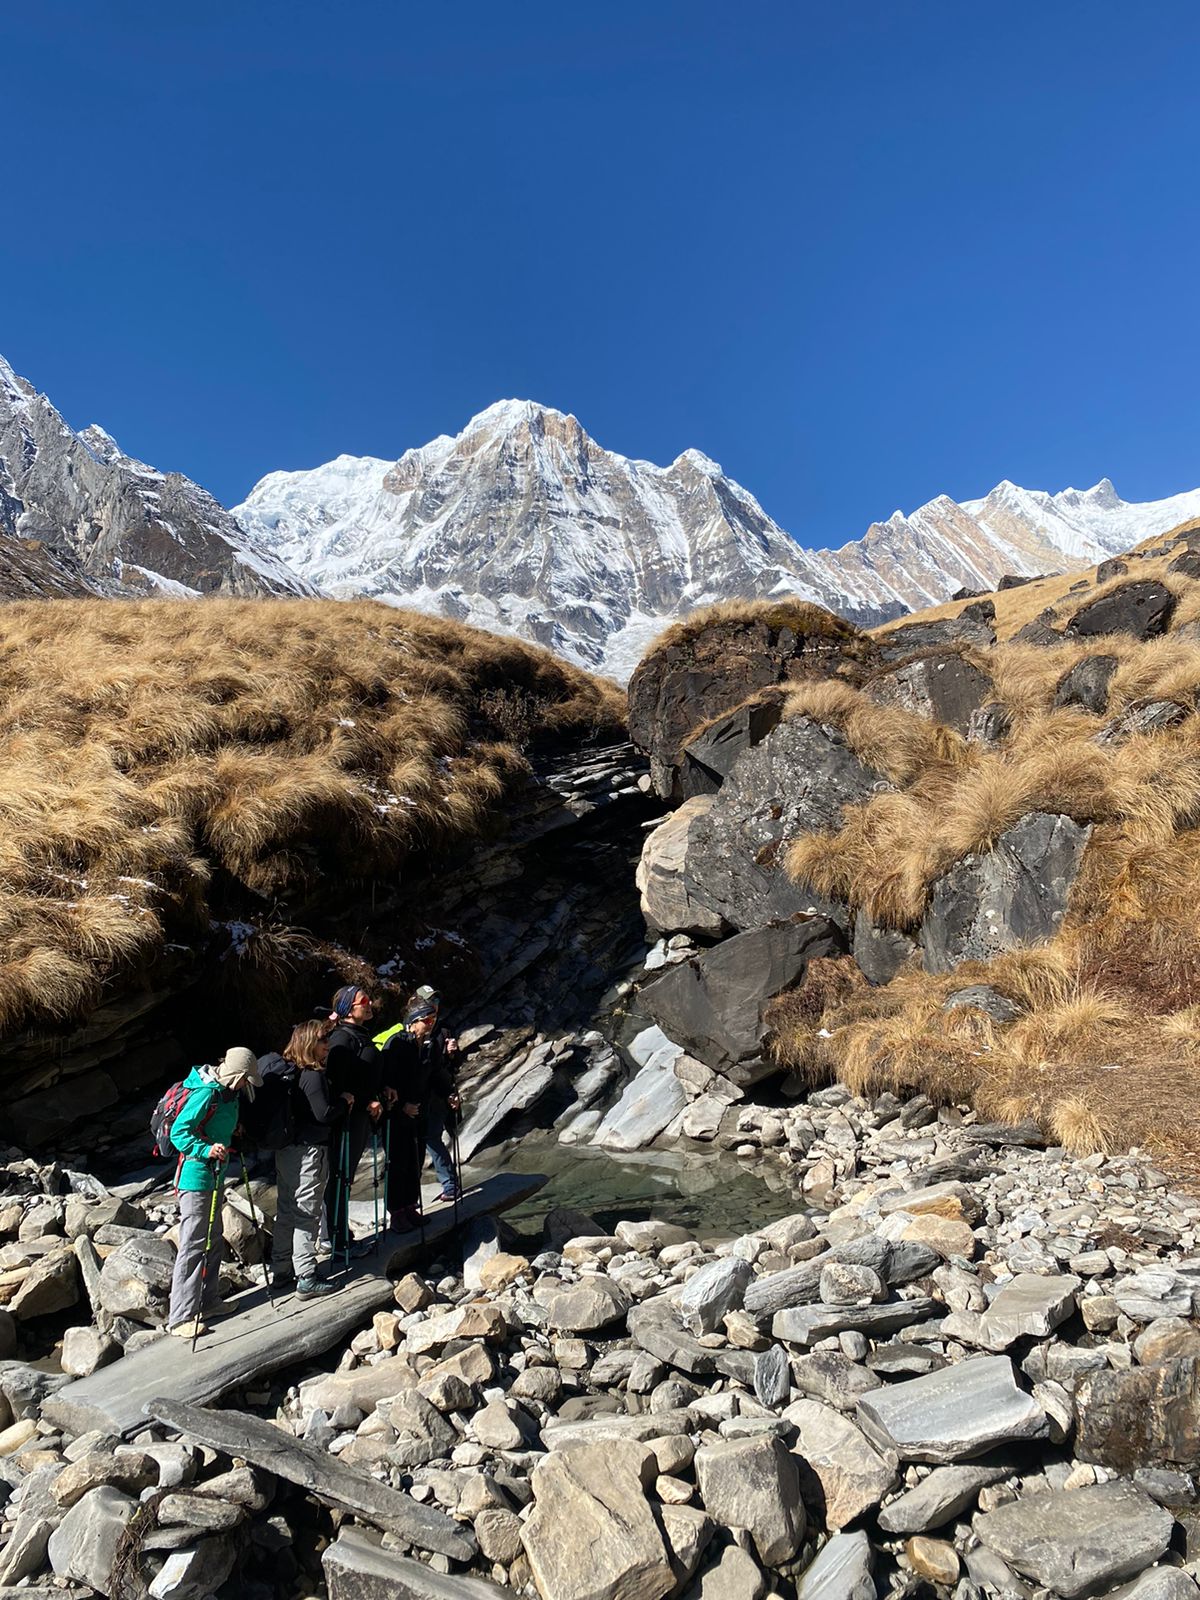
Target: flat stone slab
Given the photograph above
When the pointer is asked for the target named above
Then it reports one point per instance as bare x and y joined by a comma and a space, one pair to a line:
1079, 1541
266, 1445
939, 1498
953, 1414
841, 1571
807, 1324
356, 1568
263, 1338
1031, 1304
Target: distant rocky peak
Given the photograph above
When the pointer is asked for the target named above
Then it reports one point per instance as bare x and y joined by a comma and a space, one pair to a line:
101, 444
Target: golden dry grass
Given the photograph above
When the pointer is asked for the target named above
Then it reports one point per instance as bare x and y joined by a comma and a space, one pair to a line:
801, 616
282, 744
1106, 1052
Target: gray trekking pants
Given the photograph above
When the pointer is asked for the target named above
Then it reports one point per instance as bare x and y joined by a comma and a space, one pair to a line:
301, 1173
189, 1279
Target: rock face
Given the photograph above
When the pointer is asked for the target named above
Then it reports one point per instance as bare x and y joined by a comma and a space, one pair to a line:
713, 1004
1078, 1542
708, 756
112, 524
1149, 1416
1011, 895
1086, 684
796, 781
591, 1534
943, 686
1142, 608
667, 904
698, 681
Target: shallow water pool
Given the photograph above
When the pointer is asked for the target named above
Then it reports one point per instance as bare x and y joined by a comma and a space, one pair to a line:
712, 1194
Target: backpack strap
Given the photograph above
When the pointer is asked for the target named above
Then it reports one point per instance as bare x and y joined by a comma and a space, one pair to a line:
203, 1124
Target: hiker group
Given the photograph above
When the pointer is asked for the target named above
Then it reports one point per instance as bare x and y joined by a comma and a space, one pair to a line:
332, 1092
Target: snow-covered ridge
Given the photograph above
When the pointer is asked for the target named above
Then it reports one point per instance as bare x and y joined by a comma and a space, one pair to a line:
524, 524
119, 525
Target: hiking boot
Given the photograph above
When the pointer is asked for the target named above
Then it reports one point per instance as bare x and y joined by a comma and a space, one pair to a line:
452, 1192
311, 1288
189, 1330
404, 1220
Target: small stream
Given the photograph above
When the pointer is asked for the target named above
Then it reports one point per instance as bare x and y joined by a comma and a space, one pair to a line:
712, 1194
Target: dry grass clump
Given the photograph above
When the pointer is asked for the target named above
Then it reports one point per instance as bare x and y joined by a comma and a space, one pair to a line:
1106, 1050
281, 744
801, 616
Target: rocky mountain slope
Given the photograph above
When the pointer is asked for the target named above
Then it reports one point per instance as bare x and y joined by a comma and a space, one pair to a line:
524, 524
110, 524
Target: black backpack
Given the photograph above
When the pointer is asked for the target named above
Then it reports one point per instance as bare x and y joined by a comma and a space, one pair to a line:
270, 1118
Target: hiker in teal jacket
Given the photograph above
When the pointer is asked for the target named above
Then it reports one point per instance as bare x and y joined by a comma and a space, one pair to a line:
201, 1133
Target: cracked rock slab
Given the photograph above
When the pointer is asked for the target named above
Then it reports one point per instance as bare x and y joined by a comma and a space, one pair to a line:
953, 1414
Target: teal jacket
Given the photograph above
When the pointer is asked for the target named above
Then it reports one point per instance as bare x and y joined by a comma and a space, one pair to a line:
209, 1116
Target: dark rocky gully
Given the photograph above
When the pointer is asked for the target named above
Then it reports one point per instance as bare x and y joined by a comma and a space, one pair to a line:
955, 1362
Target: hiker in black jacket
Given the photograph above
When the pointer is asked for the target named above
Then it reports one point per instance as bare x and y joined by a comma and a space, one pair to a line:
354, 1066
406, 1136
437, 1057
302, 1165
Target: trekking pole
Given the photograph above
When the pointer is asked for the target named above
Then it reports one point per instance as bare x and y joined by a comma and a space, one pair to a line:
418, 1132
456, 1166
344, 1188
208, 1239
375, 1184
267, 1274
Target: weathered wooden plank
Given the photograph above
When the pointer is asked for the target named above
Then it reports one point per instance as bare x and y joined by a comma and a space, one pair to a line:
248, 1344
264, 1444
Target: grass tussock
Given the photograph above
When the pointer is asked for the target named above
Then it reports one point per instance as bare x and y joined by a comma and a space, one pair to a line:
805, 619
150, 745
1105, 1050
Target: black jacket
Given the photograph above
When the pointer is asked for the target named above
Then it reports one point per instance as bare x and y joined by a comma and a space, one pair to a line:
419, 1072
355, 1064
316, 1108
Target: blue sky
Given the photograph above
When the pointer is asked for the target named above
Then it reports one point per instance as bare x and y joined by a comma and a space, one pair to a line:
859, 254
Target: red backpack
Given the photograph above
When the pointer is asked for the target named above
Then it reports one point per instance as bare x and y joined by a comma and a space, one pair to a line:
163, 1117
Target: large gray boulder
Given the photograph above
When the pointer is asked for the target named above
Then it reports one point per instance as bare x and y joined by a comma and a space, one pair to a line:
667, 902
1014, 894
591, 1534
708, 756
135, 1280
713, 1004
647, 1105
1032, 1304
953, 1414
939, 1498
1078, 1542
853, 1475
357, 1568
754, 1484
798, 780
84, 1543
1142, 608
942, 686
972, 626
1086, 684
699, 674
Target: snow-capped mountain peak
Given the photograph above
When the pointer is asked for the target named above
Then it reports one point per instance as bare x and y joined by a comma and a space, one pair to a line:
118, 525
523, 523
